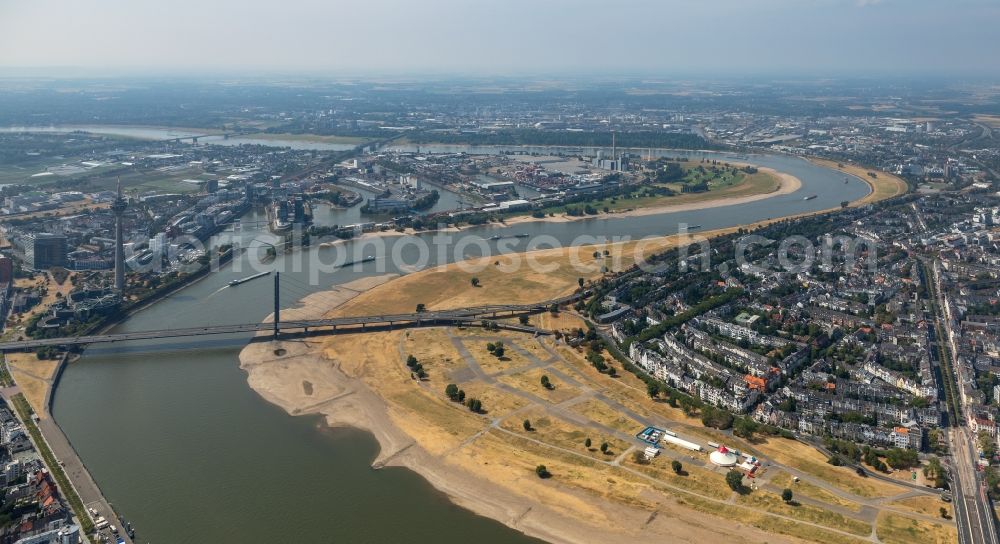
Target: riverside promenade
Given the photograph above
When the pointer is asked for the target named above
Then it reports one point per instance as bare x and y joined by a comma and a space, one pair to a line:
73, 467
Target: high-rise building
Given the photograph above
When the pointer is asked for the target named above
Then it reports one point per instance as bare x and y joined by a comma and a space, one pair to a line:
614, 147
118, 208
158, 243
623, 162
44, 250
6, 269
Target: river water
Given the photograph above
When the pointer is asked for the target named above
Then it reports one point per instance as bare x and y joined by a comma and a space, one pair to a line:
187, 452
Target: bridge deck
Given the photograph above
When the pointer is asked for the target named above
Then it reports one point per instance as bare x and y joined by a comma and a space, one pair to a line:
315, 326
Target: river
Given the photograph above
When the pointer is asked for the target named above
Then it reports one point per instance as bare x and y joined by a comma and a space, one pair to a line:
187, 452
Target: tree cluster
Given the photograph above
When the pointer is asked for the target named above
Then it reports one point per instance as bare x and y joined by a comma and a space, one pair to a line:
498, 350
415, 367
454, 393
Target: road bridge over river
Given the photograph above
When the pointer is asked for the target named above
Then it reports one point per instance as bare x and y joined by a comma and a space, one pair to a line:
316, 327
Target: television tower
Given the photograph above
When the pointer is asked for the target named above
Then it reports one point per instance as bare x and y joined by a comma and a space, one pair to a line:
118, 208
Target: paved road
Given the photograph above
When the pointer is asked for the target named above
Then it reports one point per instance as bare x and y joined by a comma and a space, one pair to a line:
973, 511
973, 508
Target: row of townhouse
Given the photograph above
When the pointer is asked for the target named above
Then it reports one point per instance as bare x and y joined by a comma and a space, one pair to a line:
691, 372
981, 420
750, 362
988, 324
901, 436
832, 318
736, 397
980, 343
697, 364
911, 347
830, 302
739, 332
875, 391
875, 294
927, 388
813, 402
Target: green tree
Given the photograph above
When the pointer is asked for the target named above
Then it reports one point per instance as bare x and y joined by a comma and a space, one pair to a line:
597, 360
461, 395
411, 361
587, 443
744, 428
786, 495
542, 472
475, 282
934, 471
421, 308
944, 512
986, 443
579, 281
903, 459
527, 424
676, 466
652, 389
499, 350
640, 458
734, 479
545, 382
993, 482
451, 391
604, 447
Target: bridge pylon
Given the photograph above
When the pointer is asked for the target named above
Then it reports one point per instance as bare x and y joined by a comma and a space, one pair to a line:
277, 304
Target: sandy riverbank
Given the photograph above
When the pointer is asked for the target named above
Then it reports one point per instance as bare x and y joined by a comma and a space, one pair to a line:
349, 401
296, 376
882, 187
350, 386
787, 184
301, 378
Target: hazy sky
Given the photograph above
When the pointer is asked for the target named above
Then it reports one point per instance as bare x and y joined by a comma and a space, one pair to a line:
768, 37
